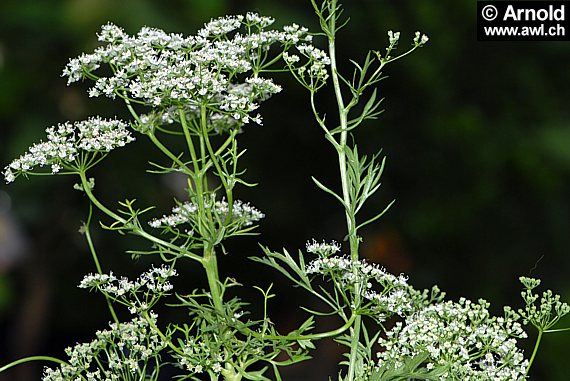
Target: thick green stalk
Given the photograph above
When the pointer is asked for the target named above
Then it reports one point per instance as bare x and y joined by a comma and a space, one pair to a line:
343, 134
350, 218
209, 260
342, 110
229, 374
210, 263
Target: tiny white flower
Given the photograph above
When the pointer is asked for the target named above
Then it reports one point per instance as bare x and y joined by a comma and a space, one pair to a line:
393, 37
323, 249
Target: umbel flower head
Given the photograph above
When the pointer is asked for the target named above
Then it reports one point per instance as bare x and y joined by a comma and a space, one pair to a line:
67, 142
125, 351
138, 295
242, 214
218, 68
387, 294
216, 74
460, 338
322, 249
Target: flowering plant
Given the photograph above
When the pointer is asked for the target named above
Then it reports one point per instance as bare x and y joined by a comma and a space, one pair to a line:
205, 89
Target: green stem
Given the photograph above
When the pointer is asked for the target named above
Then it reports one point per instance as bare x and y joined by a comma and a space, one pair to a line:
90, 241
228, 189
153, 138
534, 352
96, 260
398, 57
208, 259
189, 140
315, 336
350, 222
30, 359
134, 229
167, 152
350, 219
87, 190
210, 263
557, 330
161, 334
226, 143
199, 175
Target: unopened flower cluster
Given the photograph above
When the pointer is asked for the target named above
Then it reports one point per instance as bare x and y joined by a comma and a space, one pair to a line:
66, 141
127, 351
462, 338
419, 39
547, 312
162, 69
243, 214
393, 39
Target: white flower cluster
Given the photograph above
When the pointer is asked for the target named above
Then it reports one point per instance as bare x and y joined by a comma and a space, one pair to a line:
323, 249
393, 37
221, 26
243, 214
257, 20
163, 70
394, 296
346, 266
318, 61
420, 39
121, 353
66, 140
396, 301
153, 282
462, 338
199, 358
180, 214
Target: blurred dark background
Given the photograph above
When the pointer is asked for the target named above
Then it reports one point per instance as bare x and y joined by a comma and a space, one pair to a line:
477, 136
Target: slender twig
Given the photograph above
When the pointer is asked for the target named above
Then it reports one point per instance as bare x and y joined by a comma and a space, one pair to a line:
96, 259
534, 352
134, 229
33, 358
